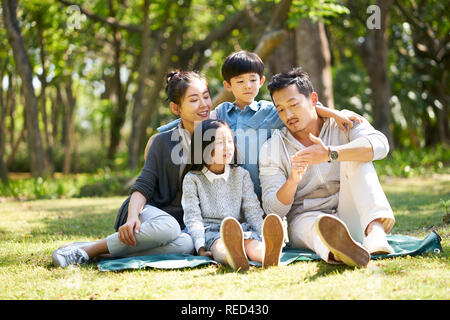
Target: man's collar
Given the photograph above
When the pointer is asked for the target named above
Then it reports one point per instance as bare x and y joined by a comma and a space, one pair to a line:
211, 175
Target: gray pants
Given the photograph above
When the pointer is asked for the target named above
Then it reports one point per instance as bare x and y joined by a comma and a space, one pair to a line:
159, 233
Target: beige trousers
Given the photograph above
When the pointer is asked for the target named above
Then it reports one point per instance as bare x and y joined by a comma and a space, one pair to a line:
361, 200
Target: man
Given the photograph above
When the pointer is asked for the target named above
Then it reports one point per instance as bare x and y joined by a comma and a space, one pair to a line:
322, 178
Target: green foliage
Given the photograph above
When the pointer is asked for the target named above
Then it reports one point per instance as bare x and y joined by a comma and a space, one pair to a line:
445, 206
415, 162
102, 183
315, 10
86, 54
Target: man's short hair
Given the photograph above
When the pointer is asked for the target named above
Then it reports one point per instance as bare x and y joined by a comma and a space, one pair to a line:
242, 62
285, 79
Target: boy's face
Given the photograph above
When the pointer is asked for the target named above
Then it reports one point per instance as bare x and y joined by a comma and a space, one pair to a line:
245, 87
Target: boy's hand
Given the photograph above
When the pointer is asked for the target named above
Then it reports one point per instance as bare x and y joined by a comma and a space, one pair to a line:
342, 120
202, 252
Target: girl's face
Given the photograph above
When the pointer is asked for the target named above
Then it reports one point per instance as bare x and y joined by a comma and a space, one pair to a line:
195, 105
223, 146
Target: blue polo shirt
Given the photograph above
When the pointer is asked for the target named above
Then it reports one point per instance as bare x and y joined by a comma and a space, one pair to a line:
252, 126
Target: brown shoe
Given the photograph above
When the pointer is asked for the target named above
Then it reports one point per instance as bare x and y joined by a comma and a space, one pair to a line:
335, 235
273, 236
233, 240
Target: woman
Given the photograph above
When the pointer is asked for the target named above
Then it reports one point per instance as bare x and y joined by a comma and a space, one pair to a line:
154, 218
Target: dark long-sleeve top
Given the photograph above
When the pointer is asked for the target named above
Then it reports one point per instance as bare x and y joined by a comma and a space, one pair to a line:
160, 179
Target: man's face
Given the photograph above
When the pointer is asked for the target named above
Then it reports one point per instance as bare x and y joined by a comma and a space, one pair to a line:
295, 110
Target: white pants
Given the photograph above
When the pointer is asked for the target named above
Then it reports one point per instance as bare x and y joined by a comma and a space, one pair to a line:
361, 200
159, 233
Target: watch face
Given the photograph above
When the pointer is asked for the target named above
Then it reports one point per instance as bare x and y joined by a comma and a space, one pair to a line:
334, 155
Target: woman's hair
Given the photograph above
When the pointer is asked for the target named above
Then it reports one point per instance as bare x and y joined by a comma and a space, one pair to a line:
177, 82
242, 62
203, 139
286, 78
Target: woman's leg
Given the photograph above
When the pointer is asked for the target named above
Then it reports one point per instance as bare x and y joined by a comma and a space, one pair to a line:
158, 228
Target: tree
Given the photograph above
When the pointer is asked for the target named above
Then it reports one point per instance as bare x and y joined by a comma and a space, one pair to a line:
25, 71
431, 45
373, 49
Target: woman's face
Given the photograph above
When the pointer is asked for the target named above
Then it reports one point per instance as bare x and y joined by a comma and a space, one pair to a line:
196, 104
223, 146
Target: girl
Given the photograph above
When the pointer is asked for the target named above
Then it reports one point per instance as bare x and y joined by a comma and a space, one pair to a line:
151, 219
221, 210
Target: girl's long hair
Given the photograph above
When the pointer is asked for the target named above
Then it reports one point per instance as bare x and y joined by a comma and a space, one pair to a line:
206, 126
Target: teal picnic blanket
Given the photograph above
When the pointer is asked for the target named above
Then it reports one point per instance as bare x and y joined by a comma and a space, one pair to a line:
403, 245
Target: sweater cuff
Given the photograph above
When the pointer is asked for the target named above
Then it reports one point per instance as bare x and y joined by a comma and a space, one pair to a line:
199, 243
379, 146
276, 206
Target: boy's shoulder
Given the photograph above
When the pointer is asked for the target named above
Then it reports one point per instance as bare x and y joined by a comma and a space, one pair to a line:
265, 104
262, 105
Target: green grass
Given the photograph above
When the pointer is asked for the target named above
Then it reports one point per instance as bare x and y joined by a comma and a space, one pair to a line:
31, 230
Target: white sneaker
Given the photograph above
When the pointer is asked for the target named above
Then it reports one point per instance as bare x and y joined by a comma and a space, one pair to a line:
63, 257
376, 242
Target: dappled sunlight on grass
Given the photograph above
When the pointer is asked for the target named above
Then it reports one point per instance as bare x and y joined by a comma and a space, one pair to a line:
30, 231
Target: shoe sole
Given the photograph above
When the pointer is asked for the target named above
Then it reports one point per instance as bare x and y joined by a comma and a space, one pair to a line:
273, 236
233, 239
337, 238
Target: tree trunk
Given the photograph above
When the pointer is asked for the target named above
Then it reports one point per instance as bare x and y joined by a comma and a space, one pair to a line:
313, 54
273, 36
69, 106
43, 100
144, 67
307, 46
374, 52
3, 111
56, 107
11, 105
23, 65
118, 115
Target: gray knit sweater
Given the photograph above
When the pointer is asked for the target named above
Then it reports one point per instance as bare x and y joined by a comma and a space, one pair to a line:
209, 198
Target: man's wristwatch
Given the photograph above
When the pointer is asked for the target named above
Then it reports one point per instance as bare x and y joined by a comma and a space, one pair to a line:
333, 154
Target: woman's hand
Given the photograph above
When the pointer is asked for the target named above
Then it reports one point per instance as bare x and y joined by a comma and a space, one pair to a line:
126, 231
202, 252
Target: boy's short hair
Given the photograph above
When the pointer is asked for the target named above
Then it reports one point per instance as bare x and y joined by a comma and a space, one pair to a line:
242, 62
284, 79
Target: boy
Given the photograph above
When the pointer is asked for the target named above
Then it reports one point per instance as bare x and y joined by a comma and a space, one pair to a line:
251, 121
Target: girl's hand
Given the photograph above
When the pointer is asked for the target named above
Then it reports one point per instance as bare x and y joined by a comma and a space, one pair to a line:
126, 231
342, 120
202, 252
298, 168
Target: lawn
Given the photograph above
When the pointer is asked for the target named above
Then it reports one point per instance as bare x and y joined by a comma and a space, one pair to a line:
31, 230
